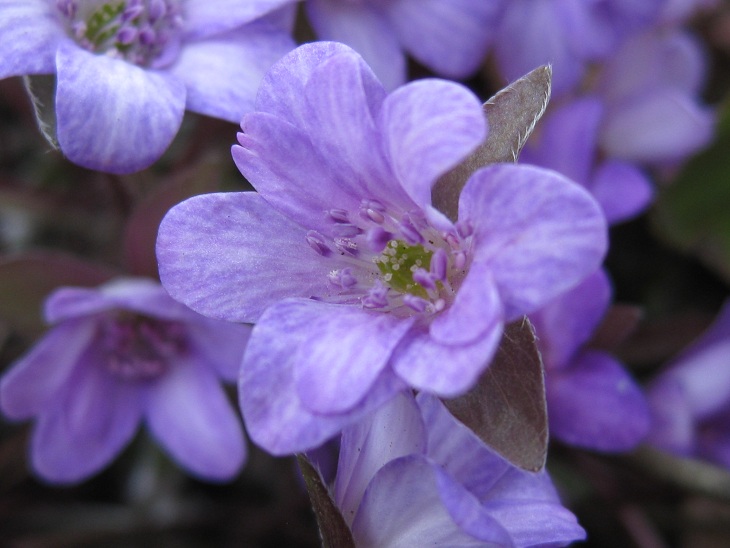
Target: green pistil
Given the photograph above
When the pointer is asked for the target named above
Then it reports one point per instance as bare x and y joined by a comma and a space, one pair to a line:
98, 28
398, 262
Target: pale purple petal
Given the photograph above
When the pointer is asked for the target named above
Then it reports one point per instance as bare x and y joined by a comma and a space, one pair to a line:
540, 233
567, 323
429, 126
394, 430
189, 414
230, 255
622, 189
594, 403
89, 422
30, 34
275, 418
207, 17
220, 345
443, 369
222, 73
366, 30
131, 127
449, 37
476, 310
344, 353
140, 295
404, 506
566, 141
31, 383
664, 126
673, 426
274, 156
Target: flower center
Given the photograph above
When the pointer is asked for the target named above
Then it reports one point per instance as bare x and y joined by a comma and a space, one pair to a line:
142, 32
392, 261
140, 348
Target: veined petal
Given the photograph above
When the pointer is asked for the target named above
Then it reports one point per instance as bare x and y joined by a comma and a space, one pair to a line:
594, 403
449, 37
230, 255
365, 29
33, 381
540, 232
428, 127
208, 17
189, 413
444, 369
395, 430
345, 351
114, 116
30, 35
566, 323
222, 73
404, 506
275, 418
89, 422
622, 190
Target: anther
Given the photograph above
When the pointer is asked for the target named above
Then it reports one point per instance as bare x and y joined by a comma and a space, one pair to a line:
416, 303
339, 215
317, 242
439, 264
424, 279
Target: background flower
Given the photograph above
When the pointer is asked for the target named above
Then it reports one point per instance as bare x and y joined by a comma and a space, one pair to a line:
116, 356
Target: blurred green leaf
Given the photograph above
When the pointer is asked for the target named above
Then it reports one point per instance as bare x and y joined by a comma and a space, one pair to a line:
693, 213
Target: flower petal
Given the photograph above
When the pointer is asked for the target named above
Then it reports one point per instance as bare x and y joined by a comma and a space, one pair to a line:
30, 35
230, 255
622, 190
275, 418
205, 17
365, 29
32, 382
444, 369
594, 403
114, 116
345, 351
189, 413
394, 430
222, 74
449, 37
540, 233
89, 422
566, 323
404, 506
428, 127
673, 426
220, 345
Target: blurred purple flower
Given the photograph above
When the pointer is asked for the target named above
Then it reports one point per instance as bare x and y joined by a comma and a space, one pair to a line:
690, 400
592, 401
117, 355
412, 475
451, 38
566, 141
126, 71
358, 286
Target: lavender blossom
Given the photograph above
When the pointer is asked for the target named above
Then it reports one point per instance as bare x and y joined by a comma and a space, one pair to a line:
412, 475
690, 400
115, 356
592, 401
126, 70
357, 285
450, 38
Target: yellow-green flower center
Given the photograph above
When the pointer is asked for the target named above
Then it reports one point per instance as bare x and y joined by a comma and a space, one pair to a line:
399, 261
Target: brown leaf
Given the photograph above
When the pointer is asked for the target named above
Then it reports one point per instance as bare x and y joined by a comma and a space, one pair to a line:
332, 526
512, 114
507, 407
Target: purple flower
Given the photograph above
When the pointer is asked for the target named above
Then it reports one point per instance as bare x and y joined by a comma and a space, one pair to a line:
592, 401
412, 475
690, 400
450, 38
117, 355
126, 71
567, 141
358, 286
